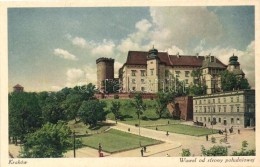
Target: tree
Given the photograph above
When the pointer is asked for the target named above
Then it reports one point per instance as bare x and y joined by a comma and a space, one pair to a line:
110, 86
115, 109
52, 140
25, 115
52, 109
92, 111
215, 151
243, 151
74, 99
162, 100
139, 105
230, 81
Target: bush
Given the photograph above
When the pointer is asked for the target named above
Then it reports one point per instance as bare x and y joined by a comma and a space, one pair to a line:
185, 153
243, 151
144, 118
215, 151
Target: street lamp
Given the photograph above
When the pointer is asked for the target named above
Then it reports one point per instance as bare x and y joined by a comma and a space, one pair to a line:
74, 144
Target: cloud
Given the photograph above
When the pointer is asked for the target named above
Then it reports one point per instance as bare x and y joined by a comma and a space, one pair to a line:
117, 66
74, 77
64, 54
181, 25
106, 48
78, 41
143, 25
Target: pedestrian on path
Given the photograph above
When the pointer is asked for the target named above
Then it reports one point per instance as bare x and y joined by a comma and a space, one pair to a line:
144, 148
238, 131
167, 133
207, 138
128, 129
99, 147
142, 152
167, 155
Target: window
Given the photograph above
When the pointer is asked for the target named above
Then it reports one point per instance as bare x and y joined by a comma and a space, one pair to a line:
133, 81
142, 89
195, 101
231, 108
218, 100
142, 81
205, 119
133, 72
237, 98
225, 109
209, 119
200, 101
231, 99
142, 73
196, 109
219, 120
213, 100
133, 88
219, 108
186, 81
177, 73
209, 101
200, 109
232, 120
205, 109
209, 109
237, 108
196, 118
213, 109
224, 100
187, 73
238, 121
151, 71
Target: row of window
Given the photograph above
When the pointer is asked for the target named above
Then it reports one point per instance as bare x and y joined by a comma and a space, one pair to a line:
219, 109
143, 73
218, 100
217, 120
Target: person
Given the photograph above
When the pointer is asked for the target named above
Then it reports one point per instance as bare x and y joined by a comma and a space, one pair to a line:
238, 131
167, 155
99, 147
128, 129
144, 148
207, 138
168, 122
156, 128
167, 133
142, 152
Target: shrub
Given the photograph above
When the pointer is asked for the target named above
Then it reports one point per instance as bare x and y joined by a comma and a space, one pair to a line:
144, 118
185, 153
215, 151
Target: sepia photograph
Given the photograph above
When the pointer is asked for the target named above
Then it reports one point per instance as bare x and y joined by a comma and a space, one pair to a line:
135, 83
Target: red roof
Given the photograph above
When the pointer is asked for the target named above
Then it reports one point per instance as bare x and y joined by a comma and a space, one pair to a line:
18, 86
140, 58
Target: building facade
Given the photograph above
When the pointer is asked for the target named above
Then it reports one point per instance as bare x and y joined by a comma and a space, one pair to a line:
236, 108
153, 71
18, 88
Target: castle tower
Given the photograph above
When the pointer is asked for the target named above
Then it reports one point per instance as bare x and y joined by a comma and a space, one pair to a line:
234, 66
18, 88
105, 70
153, 70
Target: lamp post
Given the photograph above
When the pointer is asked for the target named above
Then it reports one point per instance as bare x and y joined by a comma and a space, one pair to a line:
140, 125
74, 144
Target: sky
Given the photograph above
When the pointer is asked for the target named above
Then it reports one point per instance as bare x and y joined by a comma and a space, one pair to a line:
53, 48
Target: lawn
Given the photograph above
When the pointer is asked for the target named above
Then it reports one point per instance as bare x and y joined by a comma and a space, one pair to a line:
156, 122
185, 129
115, 141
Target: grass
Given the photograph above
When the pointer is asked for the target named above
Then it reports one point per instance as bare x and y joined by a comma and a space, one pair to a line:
185, 129
156, 122
115, 141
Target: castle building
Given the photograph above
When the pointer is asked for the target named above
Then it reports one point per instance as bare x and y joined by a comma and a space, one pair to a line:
153, 71
235, 108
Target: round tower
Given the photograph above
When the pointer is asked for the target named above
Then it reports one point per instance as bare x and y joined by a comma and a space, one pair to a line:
153, 53
105, 70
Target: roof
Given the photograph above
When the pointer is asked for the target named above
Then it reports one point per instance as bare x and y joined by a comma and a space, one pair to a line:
140, 58
18, 86
213, 62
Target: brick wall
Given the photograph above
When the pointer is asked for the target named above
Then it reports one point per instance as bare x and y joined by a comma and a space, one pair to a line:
182, 108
